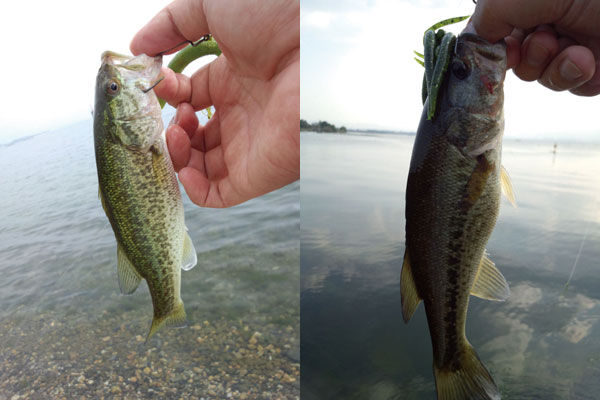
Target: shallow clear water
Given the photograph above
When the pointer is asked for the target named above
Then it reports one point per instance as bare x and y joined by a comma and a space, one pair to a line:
66, 331
543, 343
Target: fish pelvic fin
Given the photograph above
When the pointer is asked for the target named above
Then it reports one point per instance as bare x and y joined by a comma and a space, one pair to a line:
470, 381
489, 283
506, 186
189, 257
175, 319
408, 290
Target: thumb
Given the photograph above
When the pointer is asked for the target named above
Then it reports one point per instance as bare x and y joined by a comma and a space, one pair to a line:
180, 21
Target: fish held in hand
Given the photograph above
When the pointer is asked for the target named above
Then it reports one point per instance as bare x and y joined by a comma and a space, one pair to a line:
137, 185
452, 203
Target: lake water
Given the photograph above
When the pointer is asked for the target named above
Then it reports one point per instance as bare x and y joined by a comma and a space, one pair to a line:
66, 332
543, 343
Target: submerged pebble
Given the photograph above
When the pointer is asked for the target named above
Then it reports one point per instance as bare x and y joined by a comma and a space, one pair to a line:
79, 362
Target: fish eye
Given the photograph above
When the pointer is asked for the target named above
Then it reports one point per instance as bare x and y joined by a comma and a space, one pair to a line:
112, 87
460, 70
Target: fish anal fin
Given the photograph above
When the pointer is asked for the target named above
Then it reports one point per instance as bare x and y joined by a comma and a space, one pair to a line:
129, 278
408, 290
470, 381
189, 257
102, 200
174, 319
506, 186
489, 283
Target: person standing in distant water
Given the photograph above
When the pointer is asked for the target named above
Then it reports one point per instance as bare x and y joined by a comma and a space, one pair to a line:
251, 145
556, 42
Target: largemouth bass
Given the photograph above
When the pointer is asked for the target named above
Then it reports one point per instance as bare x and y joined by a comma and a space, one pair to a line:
138, 186
452, 203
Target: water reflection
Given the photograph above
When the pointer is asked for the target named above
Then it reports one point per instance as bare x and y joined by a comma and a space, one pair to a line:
540, 344
66, 332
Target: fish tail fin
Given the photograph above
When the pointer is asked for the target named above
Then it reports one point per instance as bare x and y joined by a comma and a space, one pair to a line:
176, 319
471, 380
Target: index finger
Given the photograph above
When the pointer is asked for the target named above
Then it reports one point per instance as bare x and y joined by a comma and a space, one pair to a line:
180, 21
495, 19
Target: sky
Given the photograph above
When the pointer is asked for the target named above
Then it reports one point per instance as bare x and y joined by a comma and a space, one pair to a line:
357, 70
51, 54
357, 66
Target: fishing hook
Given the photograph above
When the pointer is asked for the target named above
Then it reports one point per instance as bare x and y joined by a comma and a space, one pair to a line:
204, 38
456, 47
153, 85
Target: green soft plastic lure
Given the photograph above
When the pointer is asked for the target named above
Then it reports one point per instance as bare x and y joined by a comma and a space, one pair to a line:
438, 47
204, 47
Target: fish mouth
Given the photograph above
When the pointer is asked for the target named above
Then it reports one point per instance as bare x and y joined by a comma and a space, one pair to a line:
142, 69
492, 51
131, 63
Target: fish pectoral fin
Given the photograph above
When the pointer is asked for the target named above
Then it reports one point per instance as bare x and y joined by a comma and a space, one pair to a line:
506, 186
408, 290
189, 259
157, 148
129, 278
174, 319
471, 380
489, 283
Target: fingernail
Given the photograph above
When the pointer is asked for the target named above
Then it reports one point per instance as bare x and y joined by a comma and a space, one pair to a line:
537, 55
569, 71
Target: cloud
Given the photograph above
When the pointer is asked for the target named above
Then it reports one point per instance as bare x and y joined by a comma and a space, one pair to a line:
46, 87
363, 73
317, 19
367, 73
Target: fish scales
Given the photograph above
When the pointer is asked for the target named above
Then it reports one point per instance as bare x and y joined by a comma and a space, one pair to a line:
458, 222
452, 204
138, 186
144, 210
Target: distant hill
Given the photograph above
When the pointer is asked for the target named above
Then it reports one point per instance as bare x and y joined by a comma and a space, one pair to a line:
383, 131
324, 126
321, 126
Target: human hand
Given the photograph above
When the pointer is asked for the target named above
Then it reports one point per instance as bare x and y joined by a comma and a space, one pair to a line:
556, 42
251, 145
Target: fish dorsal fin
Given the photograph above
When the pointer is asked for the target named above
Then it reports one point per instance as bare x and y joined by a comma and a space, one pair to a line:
408, 290
129, 279
489, 283
189, 259
506, 186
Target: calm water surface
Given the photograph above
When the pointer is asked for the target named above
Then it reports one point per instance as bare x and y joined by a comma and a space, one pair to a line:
543, 343
66, 332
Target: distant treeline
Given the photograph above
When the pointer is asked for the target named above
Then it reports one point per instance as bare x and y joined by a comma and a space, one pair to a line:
321, 126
